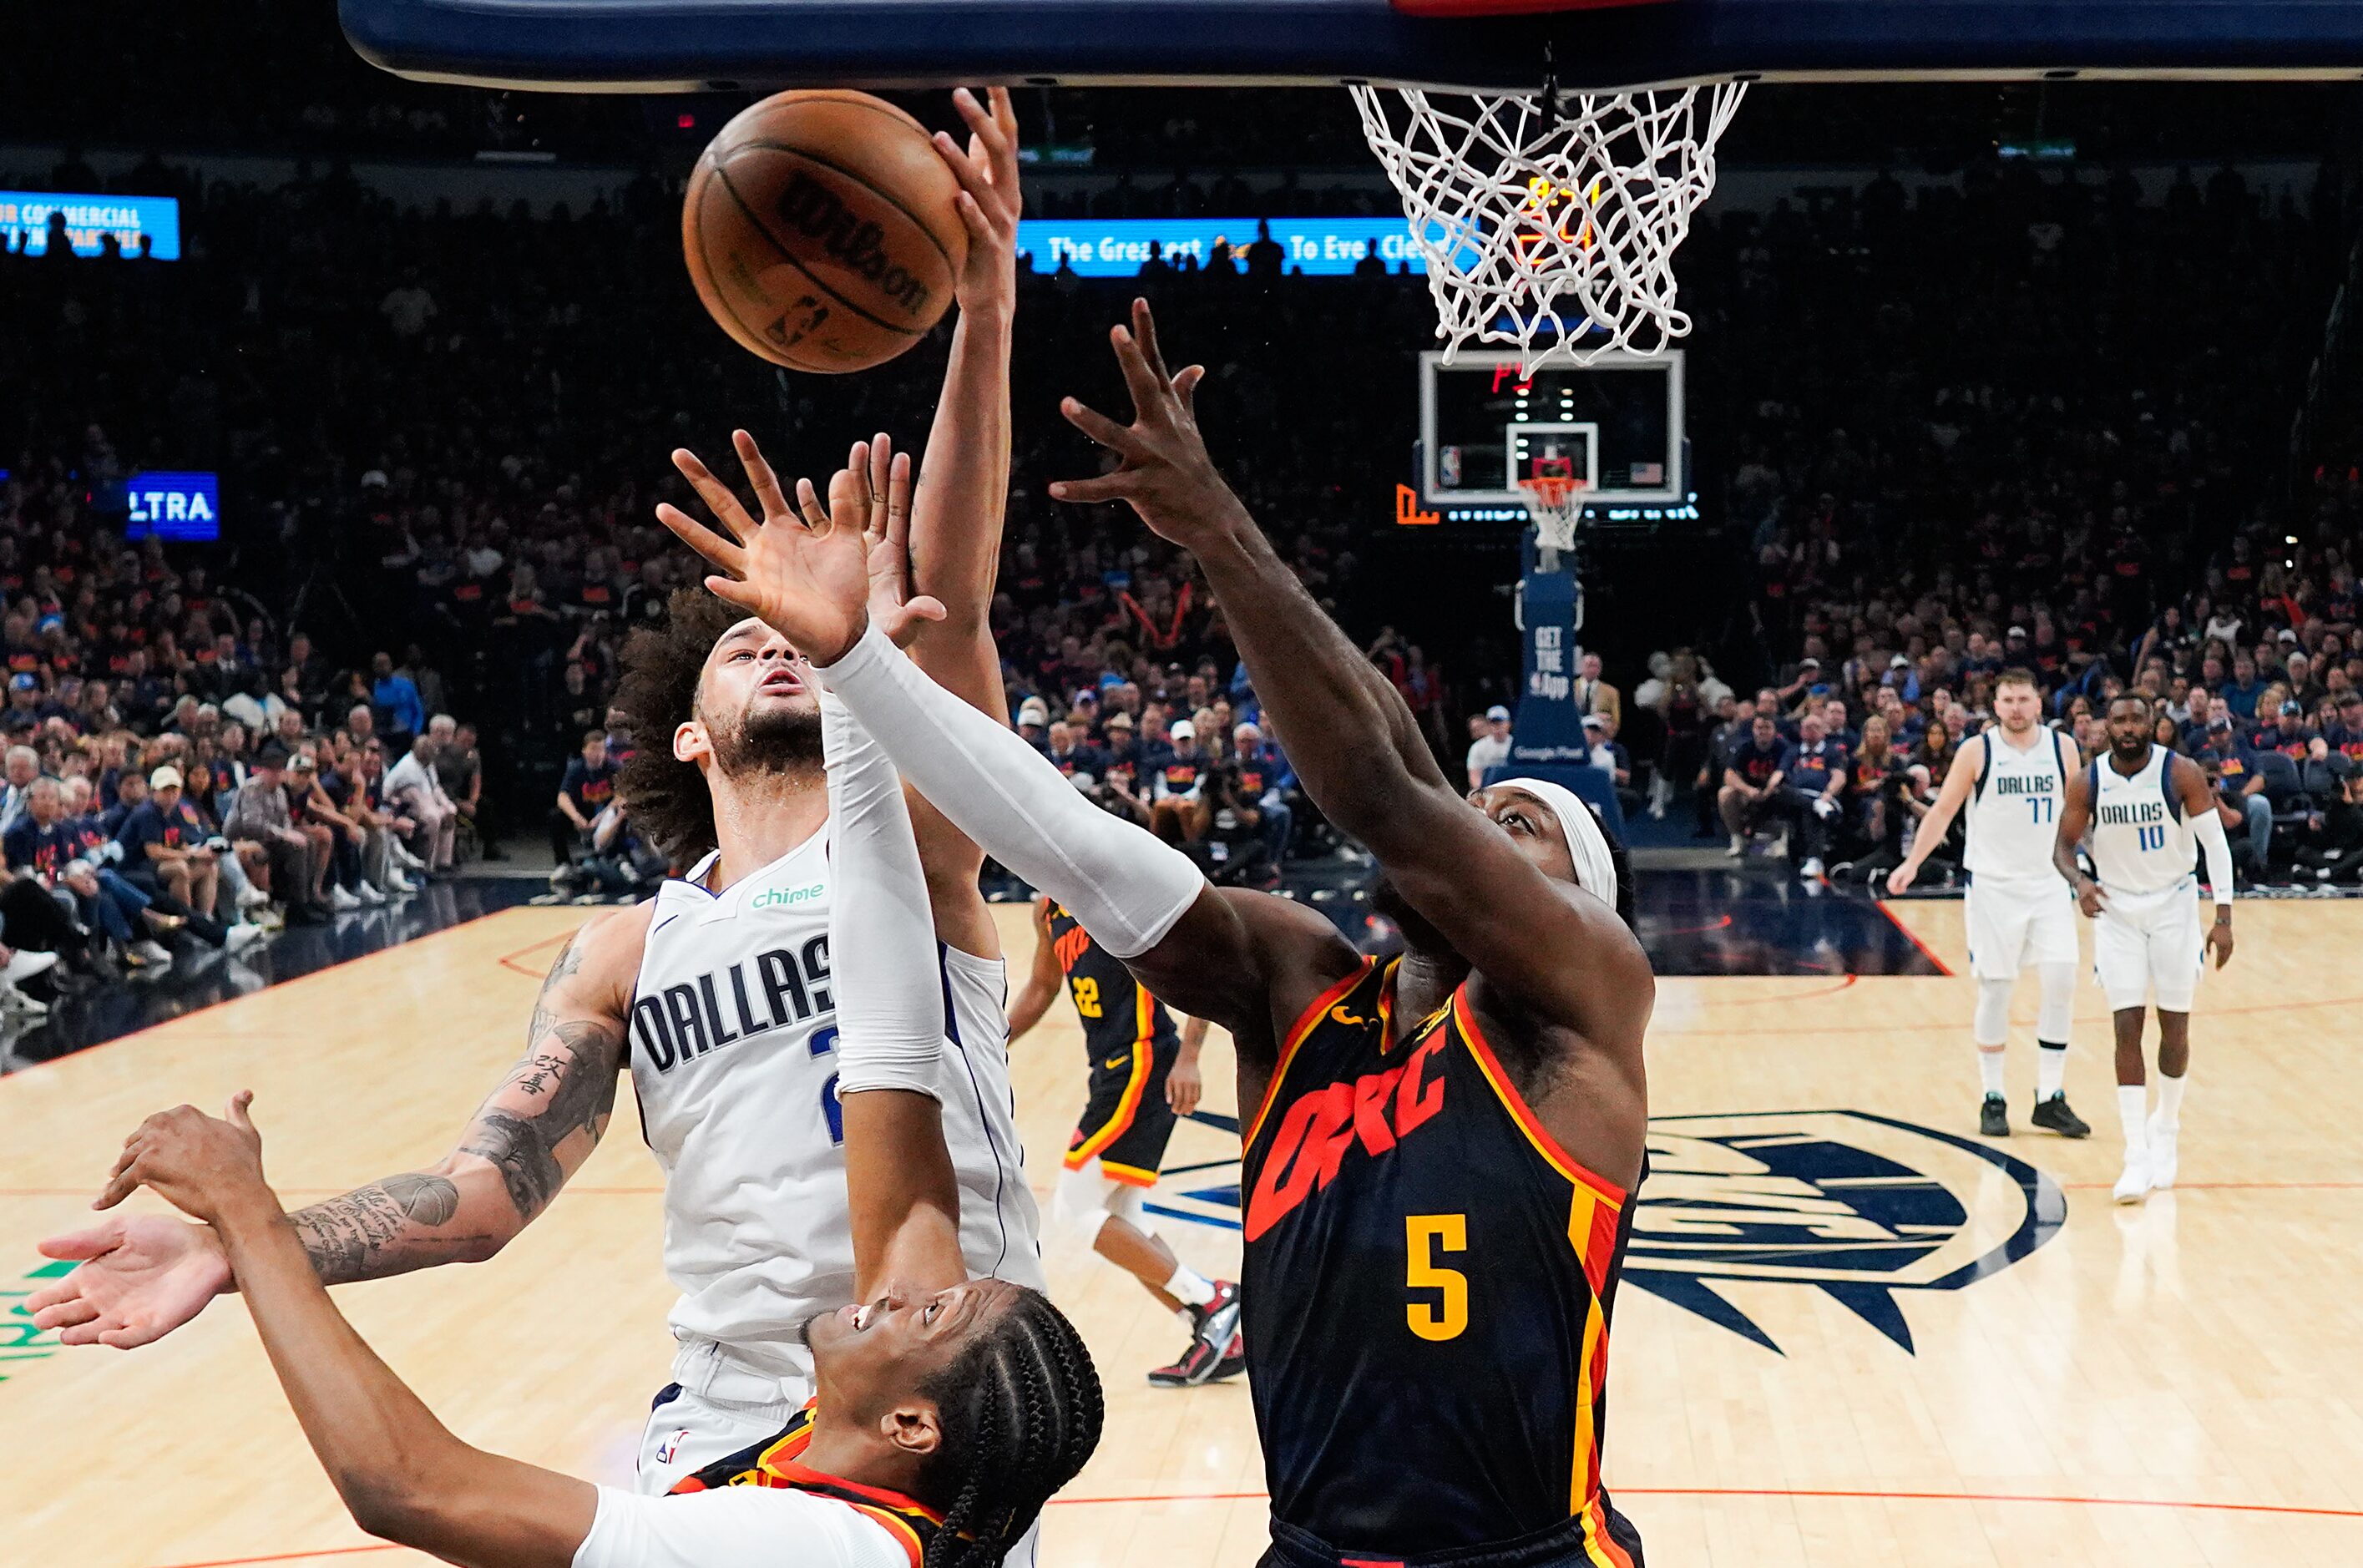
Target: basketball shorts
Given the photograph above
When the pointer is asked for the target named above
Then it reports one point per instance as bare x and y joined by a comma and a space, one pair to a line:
2015, 926
2149, 946
1128, 1121
1582, 1542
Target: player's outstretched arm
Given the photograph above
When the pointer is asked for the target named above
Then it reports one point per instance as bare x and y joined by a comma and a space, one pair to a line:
1237, 960
1571, 959
401, 1474
1951, 797
144, 1276
1042, 978
898, 1180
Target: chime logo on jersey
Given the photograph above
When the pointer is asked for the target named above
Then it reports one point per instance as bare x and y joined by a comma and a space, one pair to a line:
722, 1006
1856, 1205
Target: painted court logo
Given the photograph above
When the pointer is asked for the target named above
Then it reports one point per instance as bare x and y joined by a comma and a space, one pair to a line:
1856, 1205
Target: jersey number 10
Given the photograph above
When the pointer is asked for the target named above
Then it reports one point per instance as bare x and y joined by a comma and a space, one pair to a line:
2153, 838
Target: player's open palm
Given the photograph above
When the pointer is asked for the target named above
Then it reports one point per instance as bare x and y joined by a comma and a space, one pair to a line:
1165, 473
804, 575
142, 1275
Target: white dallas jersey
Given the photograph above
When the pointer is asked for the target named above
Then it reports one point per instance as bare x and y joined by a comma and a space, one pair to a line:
2140, 841
733, 1052
2013, 818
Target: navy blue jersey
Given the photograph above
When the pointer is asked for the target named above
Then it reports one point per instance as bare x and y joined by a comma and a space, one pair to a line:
1426, 1293
1120, 1018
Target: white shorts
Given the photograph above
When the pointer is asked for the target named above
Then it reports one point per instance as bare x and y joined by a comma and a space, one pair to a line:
2149, 946
2015, 926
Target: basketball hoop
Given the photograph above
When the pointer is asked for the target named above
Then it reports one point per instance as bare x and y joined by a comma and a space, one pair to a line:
1551, 216
1553, 502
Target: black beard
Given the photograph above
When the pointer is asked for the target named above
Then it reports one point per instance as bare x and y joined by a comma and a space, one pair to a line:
779, 740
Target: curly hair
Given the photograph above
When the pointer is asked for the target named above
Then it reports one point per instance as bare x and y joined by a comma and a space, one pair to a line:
666, 797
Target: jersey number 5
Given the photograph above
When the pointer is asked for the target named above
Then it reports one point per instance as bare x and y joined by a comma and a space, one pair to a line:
1425, 1235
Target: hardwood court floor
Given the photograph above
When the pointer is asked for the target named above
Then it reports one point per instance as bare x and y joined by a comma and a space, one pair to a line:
2178, 1383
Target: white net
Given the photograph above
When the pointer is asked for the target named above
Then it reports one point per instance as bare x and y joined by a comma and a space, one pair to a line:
1551, 218
1553, 504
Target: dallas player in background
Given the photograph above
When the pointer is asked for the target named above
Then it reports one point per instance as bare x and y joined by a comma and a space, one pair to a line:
1438, 1174
724, 981
2145, 808
2010, 780
1144, 1077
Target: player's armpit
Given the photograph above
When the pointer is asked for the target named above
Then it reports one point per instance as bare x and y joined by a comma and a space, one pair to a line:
1247, 960
532, 1133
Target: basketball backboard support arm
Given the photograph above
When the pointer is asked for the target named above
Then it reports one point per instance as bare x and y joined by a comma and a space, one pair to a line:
696, 45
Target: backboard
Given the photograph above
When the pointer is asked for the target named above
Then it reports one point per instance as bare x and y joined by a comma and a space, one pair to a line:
1616, 423
686, 45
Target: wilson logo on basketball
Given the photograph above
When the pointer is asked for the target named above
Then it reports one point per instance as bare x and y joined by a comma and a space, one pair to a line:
859, 246
1376, 1111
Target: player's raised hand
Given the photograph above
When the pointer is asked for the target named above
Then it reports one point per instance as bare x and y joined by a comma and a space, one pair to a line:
1165, 474
989, 202
141, 1277
204, 1166
806, 576
884, 475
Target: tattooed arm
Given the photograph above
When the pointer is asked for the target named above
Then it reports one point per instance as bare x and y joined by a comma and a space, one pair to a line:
144, 1276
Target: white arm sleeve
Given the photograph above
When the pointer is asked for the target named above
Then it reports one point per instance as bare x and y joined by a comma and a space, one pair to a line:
1126, 886
882, 934
2209, 828
734, 1527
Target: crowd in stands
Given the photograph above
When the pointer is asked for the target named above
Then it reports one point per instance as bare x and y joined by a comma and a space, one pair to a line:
2090, 491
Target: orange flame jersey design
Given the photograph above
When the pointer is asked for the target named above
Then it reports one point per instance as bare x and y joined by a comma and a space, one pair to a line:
1422, 1256
773, 1463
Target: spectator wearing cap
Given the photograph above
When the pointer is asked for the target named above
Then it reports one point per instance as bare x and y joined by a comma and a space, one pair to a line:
1491, 749
1179, 811
2290, 734
294, 860
1034, 724
164, 843
1121, 790
1084, 715
2347, 735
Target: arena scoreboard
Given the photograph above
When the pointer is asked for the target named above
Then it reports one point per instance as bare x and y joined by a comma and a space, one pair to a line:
25, 223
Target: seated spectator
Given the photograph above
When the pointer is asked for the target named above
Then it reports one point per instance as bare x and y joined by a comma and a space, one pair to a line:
1258, 775
460, 770
1813, 777
1179, 811
296, 857
586, 790
1750, 795
1491, 748
345, 841
412, 788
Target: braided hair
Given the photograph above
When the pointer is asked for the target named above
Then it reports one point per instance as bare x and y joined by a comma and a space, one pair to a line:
1020, 1410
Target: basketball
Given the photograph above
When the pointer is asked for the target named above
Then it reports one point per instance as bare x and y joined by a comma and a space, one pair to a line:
820, 230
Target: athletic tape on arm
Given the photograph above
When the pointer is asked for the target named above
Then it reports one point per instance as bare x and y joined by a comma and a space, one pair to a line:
2218, 851
882, 932
1125, 885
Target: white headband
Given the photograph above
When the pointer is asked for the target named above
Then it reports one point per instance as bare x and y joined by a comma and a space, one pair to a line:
1587, 846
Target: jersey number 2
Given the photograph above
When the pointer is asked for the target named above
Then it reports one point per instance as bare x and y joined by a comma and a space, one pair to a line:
1425, 1235
824, 1041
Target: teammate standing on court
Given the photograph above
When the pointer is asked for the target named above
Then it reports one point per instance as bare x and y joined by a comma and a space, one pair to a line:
2010, 780
1438, 1166
717, 996
1144, 1078
2145, 808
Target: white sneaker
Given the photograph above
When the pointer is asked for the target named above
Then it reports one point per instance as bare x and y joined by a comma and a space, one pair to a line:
2134, 1185
1812, 869
1781, 850
368, 895
251, 898
15, 1001
342, 901
150, 953
1738, 849
398, 886
2163, 1155
25, 964
242, 935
